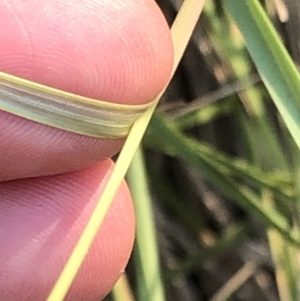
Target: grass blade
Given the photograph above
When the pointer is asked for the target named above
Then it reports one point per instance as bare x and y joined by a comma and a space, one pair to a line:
274, 64
181, 32
150, 285
122, 290
187, 149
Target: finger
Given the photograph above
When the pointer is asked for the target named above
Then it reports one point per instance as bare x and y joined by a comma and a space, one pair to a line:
41, 220
29, 149
117, 51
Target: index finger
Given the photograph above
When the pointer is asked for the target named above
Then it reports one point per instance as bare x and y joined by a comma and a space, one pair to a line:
119, 52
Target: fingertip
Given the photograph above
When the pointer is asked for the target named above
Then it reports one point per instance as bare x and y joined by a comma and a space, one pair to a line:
52, 212
118, 51
29, 149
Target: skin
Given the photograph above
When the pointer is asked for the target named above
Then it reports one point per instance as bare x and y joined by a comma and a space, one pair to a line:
50, 180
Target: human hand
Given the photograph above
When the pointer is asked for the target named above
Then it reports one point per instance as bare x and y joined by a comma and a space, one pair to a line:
118, 51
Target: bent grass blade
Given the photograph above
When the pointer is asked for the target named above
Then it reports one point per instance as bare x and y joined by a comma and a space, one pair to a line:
66, 111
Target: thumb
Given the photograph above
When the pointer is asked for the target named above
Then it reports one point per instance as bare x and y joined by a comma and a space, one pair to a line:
116, 51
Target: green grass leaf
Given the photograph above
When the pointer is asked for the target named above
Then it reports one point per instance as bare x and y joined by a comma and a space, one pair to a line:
272, 60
